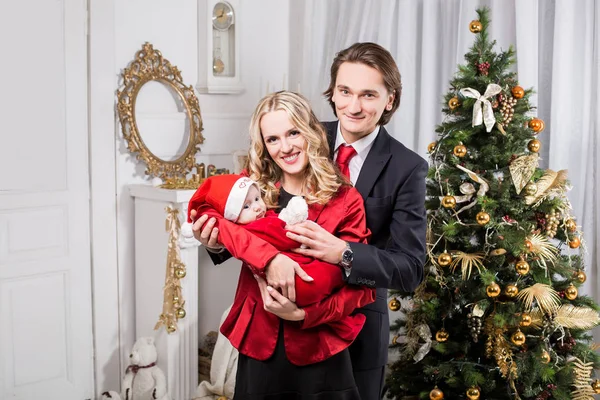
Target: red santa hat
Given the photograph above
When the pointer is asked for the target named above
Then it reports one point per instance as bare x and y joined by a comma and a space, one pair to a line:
226, 193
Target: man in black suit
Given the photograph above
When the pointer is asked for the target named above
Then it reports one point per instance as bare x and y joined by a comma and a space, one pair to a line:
364, 93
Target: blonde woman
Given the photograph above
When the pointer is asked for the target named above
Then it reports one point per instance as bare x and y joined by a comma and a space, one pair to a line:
288, 352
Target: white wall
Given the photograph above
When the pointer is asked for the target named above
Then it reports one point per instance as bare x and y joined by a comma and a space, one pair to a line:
178, 30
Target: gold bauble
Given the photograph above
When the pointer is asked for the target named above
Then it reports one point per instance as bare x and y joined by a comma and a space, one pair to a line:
536, 125
442, 335
528, 245
525, 319
571, 292
444, 259
482, 218
394, 304
460, 150
518, 338
475, 26
395, 340
180, 273
449, 201
518, 92
596, 386
453, 103
175, 299
522, 267
571, 225
574, 243
545, 357
180, 313
473, 393
580, 276
171, 328
530, 189
493, 290
534, 145
511, 290
431, 147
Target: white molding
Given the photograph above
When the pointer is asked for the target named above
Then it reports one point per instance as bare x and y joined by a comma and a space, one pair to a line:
183, 116
227, 116
221, 89
105, 287
150, 192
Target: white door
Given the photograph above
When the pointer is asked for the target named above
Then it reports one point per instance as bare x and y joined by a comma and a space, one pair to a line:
45, 288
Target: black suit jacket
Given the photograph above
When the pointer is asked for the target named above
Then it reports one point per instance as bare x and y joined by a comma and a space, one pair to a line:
392, 183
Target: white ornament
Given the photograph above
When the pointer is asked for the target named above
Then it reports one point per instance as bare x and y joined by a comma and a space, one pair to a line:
295, 212
186, 230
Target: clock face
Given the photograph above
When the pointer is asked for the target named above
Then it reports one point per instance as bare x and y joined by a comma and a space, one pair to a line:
222, 17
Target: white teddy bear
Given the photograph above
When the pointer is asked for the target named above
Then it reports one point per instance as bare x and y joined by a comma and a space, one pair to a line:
143, 379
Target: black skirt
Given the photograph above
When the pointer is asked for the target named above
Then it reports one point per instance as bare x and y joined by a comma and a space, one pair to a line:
278, 379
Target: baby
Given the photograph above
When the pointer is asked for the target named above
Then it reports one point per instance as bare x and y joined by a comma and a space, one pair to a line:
237, 199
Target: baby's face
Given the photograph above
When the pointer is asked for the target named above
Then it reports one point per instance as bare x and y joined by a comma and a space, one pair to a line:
254, 207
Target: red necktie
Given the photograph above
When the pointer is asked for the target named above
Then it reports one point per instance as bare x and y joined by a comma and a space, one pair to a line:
345, 154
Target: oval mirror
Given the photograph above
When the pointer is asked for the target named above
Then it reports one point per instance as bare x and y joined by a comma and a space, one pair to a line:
159, 115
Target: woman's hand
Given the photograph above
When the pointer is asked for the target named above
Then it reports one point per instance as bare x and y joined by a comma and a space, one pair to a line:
205, 232
280, 273
277, 304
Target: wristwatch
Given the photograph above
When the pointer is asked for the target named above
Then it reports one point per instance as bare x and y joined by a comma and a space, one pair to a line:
347, 257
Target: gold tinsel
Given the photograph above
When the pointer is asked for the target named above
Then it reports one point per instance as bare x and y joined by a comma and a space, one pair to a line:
172, 288
546, 297
551, 183
569, 316
522, 169
467, 262
498, 347
582, 374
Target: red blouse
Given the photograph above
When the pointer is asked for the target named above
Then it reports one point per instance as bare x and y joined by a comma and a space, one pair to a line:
254, 331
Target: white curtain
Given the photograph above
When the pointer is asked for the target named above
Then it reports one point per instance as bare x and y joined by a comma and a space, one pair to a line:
558, 54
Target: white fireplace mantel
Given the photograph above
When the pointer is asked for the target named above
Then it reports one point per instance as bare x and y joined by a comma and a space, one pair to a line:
177, 352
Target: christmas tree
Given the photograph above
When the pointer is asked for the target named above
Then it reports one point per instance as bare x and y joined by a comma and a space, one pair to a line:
498, 315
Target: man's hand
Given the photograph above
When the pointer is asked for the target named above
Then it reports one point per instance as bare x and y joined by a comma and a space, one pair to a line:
280, 274
319, 243
276, 304
205, 232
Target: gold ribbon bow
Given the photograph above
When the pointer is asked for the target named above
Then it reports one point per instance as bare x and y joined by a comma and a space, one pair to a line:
424, 333
482, 109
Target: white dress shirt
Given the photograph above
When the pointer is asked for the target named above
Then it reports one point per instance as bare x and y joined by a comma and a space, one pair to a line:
362, 147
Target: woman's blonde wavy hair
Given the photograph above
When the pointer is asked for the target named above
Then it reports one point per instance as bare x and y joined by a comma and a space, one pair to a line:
321, 178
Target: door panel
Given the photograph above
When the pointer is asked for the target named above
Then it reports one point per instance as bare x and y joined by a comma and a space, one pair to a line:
45, 288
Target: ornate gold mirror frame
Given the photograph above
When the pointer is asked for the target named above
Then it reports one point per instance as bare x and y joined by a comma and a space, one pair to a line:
149, 65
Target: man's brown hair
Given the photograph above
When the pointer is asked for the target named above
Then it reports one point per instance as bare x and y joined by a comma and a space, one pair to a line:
374, 56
